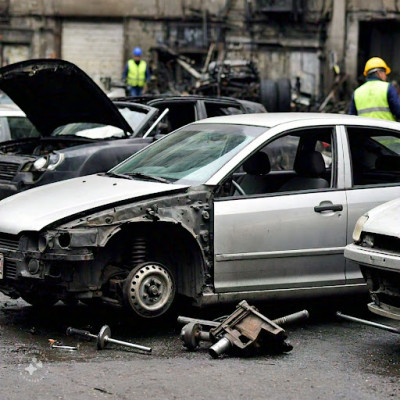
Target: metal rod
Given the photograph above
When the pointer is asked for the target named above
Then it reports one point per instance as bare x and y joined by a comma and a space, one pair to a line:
127, 344
369, 323
295, 317
156, 122
188, 320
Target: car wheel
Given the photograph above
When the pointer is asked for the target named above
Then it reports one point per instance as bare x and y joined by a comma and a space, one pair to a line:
269, 94
39, 300
149, 290
284, 94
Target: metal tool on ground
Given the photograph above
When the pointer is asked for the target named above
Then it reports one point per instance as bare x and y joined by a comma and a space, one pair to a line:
104, 337
245, 328
369, 323
54, 344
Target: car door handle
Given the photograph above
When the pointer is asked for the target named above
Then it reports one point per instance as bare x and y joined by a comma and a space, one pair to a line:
329, 207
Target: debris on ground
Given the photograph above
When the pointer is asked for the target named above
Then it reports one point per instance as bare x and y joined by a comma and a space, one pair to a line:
54, 344
245, 330
104, 337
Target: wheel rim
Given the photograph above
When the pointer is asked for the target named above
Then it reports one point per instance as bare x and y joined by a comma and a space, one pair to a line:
150, 290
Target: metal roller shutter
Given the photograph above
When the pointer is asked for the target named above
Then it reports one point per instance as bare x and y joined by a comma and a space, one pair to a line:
97, 48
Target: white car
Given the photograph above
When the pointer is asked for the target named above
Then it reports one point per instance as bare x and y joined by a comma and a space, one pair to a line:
376, 249
223, 209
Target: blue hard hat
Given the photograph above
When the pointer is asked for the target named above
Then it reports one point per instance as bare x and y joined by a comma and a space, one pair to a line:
137, 51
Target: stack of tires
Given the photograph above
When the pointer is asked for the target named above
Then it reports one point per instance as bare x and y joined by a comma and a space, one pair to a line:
276, 95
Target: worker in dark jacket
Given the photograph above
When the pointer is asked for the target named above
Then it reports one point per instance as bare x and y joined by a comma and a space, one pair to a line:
136, 73
376, 98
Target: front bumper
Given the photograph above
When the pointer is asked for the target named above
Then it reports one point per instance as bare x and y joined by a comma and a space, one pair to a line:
373, 258
385, 311
381, 271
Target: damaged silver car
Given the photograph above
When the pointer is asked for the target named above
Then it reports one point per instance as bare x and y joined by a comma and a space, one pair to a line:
211, 213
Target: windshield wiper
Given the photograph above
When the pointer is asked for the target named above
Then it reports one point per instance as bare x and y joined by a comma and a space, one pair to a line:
115, 175
145, 176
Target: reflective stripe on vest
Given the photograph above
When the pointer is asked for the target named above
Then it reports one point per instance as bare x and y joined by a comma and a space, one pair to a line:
136, 73
371, 100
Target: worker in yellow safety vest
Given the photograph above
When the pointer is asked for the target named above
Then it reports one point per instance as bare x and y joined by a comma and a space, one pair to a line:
376, 98
136, 73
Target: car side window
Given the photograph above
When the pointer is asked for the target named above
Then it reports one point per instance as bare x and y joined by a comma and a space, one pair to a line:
179, 114
216, 110
299, 161
375, 156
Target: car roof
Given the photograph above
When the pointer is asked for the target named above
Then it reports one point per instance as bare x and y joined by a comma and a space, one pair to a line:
171, 97
270, 120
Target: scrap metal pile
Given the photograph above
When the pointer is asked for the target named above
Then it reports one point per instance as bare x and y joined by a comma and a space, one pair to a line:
246, 330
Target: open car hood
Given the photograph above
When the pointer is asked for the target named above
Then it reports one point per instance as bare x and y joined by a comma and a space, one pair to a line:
53, 93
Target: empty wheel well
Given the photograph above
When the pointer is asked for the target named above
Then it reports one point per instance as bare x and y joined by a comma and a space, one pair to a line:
167, 243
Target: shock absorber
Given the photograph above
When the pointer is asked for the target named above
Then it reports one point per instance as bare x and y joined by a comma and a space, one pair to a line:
139, 250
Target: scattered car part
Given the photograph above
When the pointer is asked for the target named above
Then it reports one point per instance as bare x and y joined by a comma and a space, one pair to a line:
104, 337
369, 323
54, 344
192, 334
245, 327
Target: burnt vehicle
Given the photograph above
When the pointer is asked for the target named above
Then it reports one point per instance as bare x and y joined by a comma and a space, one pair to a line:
206, 215
80, 130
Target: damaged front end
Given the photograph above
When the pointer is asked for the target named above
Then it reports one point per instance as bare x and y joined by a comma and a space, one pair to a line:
141, 255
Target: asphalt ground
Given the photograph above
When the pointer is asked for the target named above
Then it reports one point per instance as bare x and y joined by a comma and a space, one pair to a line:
331, 358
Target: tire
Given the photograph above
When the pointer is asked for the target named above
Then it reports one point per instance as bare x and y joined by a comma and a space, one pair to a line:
149, 290
284, 94
42, 301
269, 94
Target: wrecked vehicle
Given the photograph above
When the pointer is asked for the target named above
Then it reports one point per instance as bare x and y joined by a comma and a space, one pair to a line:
376, 250
80, 130
205, 215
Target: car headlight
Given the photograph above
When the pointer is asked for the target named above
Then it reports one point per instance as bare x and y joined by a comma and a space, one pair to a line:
48, 162
359, 227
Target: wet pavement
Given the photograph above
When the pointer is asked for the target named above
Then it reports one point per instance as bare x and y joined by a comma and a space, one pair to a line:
331, 359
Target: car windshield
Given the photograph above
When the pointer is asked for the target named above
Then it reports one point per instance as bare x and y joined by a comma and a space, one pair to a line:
192, 154
100, 131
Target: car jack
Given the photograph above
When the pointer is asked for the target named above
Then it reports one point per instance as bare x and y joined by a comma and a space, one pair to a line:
246, 328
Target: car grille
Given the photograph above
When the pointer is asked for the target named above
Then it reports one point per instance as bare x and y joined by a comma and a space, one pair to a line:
10, 268
8, 170
388, 243
9, 243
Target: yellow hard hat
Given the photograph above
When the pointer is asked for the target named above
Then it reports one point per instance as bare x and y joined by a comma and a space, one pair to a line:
375, 62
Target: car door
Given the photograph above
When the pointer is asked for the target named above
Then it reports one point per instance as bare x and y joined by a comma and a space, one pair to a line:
284, 239
373, 176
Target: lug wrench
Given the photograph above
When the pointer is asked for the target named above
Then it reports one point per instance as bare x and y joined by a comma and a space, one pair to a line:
104, 337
